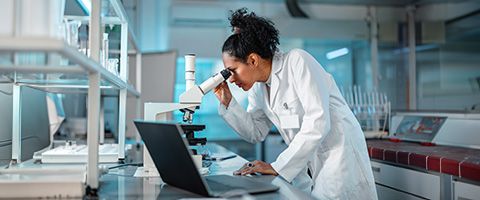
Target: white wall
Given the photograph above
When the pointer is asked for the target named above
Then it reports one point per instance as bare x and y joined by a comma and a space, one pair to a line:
153, 26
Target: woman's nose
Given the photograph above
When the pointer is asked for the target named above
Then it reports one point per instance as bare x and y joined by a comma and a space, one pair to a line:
231, 79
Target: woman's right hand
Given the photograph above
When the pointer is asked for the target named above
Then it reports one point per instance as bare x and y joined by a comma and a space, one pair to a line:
223, 94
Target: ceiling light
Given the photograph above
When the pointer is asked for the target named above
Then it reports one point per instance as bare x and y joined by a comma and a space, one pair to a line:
337, 53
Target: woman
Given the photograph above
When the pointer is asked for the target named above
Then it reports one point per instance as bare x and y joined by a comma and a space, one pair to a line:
326, 153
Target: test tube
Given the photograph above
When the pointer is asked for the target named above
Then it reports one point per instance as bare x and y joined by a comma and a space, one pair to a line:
105, 52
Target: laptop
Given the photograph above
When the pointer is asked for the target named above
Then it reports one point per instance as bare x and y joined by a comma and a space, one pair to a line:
173, 161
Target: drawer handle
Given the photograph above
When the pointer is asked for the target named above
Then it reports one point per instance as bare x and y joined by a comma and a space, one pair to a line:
376, 169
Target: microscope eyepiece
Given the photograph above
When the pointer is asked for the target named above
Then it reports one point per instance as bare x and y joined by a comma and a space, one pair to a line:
226, 73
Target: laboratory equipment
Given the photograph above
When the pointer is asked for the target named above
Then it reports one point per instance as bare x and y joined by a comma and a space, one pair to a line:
220, 157
189, 101
189, 130
35, 124
443, 128
194, 93
73, 153
42, 183
372, 110
71, 32
112, 65
104, 53
428, 155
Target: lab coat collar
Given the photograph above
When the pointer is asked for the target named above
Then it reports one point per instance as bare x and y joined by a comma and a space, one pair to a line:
277, 66
277, 62
269, 81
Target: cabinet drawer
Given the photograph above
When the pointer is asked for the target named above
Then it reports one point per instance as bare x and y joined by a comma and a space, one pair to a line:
385, 193
464, 191
407, 180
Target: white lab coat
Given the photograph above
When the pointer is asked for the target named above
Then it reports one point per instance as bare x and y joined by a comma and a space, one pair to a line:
329, 140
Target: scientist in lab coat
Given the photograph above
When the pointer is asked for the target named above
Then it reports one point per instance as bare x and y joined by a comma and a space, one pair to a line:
326, 154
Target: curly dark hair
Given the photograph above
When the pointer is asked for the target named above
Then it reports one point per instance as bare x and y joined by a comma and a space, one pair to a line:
252, 34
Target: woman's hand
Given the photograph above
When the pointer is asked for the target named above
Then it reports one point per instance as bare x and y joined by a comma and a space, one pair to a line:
223, 94
256, 167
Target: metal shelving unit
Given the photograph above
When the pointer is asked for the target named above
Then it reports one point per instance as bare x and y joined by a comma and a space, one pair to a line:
29, 74
83, 75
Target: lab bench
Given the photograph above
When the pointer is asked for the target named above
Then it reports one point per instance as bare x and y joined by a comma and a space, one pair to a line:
120, 183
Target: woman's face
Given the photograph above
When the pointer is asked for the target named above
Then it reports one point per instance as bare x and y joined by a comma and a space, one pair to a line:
243, 74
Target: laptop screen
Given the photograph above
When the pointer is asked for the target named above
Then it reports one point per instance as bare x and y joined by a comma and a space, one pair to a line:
171, 156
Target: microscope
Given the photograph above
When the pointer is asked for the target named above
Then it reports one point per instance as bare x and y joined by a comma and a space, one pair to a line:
193, 95
190, 100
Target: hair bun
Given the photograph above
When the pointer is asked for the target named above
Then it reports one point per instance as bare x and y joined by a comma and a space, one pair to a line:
255, 34
239, 19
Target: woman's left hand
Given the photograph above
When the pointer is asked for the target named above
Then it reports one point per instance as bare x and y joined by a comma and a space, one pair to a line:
256, 167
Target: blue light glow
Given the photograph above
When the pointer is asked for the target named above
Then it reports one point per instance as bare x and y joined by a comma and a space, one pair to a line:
337, 53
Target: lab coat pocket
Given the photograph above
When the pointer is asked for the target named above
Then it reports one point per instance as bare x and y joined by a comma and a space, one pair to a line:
288, 105
289, 115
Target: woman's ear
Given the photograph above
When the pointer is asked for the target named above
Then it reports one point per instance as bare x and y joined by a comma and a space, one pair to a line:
253, 59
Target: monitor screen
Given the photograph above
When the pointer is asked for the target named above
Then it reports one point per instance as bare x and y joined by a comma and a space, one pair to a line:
419, 128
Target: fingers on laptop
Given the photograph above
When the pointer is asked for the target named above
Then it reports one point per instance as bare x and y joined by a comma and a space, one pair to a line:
250, 168
239, 171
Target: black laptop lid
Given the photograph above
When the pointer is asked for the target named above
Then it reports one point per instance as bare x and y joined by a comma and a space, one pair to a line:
171, 157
